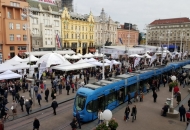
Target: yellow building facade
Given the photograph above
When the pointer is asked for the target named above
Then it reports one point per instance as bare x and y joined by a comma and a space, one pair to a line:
77, 32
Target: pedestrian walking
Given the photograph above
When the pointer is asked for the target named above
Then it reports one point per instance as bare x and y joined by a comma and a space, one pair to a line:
188, 117
27, 106
36, 90
127, 111
141, 96
182, 113
134, 113
78, 119
74, 124
100, 117
53, 94
36, 124
154, 96
68, 88
31, 102
21, 103
129, 99
60, 88
178, 95
39, 97
54, 105
14, 107
46, 94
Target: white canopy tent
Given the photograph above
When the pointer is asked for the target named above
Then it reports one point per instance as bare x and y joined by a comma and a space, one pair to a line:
31, 58
52, 59
87, 56
91, 60
74, 57
67, 56
23, 66
107, 61
15, 60
5, 66
11, 62
115, 62
98, 63
81, 64
9, 75
135, 55
79, 55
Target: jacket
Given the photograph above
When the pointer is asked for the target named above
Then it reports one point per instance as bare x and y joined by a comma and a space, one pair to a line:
182, 110
54, 104
100, 115
36, 123
27, 104
39, 97
47, 92
127, 110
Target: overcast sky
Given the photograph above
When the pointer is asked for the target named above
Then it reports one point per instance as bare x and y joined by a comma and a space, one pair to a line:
140, 12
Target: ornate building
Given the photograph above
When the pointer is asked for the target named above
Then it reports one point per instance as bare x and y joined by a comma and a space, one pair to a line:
170, 32
105, 29
44, 25
77, 31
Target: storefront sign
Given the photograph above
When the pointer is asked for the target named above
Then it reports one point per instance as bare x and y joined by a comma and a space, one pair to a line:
46, 1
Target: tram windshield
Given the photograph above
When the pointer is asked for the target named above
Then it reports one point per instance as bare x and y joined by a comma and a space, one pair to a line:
80, 102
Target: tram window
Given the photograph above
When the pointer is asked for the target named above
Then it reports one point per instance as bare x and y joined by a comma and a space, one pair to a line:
89, 107
80, 102
131, 88
110, 98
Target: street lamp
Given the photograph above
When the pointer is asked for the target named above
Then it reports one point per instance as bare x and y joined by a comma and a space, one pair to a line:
173, 78
107, 115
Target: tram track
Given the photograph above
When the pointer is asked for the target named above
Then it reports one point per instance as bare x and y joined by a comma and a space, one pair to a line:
20, 123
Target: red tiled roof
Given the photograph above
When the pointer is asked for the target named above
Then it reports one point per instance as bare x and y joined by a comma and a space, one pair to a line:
170, 21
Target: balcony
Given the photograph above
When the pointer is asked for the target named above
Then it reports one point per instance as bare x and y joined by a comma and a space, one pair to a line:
36, 36
49, 26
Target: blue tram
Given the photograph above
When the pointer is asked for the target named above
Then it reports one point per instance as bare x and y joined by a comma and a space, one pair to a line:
110, 93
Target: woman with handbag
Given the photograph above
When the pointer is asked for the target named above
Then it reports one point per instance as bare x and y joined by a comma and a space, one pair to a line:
13, 108
127, 111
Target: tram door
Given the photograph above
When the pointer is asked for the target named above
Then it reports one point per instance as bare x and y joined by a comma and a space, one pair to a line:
121, 95
101, 102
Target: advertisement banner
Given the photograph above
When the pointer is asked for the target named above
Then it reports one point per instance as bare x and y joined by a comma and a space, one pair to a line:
46, 1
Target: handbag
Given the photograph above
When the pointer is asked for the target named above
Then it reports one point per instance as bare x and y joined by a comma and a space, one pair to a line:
131, 114
12, 107
124, 118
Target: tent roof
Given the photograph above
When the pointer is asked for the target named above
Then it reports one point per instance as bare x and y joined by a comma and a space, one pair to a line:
135, 55
5, 66
67, 56
52, 59
74, 57
87, 56
9, 75
23, 66
31, 58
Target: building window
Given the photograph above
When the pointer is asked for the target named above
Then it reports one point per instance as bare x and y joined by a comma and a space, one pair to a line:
12, 48
72, 27
11, 37
72, 36
35, 21
34, 13
11, 26
86, 37
24, 37
18, 37
56, 23
17, 26
46, 42
15, 4
21, 47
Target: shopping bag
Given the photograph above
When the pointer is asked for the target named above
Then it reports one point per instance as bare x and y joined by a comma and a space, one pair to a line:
12, 108
124, 118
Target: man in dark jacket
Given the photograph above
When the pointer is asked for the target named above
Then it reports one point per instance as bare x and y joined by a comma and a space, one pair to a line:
182, 113
46, 94
39, 97
68, 88
54, 105
36, 124
27, 105
21, 103
129, 99
154, 96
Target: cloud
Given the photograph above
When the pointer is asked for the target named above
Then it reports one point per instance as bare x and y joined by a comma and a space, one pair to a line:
140, 12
